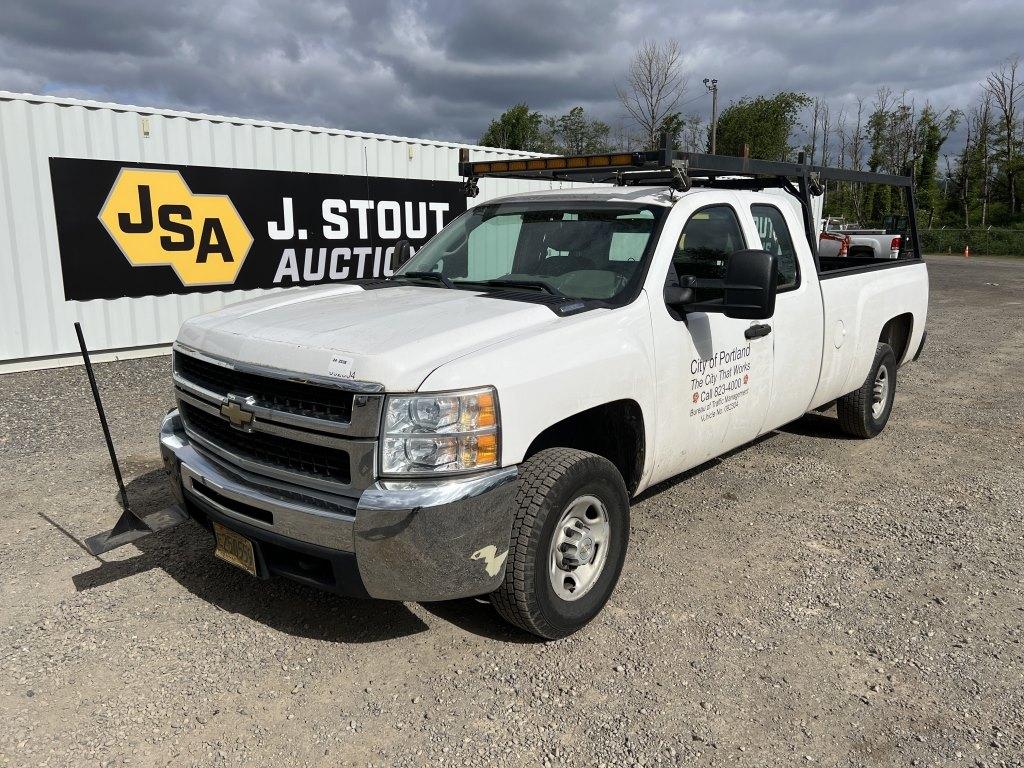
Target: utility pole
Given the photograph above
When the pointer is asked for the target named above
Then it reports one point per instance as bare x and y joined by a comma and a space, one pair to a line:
712, 85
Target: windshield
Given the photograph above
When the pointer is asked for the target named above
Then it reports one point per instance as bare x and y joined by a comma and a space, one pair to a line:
579, 250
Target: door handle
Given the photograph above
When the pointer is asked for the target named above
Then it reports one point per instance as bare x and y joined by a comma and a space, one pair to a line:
757, 331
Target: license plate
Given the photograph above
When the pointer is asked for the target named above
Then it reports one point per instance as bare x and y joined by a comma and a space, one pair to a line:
234, 549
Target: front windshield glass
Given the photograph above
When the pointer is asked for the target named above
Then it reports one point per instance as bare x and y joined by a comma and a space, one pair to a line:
579, 250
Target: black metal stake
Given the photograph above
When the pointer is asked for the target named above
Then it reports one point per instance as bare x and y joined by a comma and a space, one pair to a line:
129, 522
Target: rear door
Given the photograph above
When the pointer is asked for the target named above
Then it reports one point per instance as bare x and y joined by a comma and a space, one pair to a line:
797, 331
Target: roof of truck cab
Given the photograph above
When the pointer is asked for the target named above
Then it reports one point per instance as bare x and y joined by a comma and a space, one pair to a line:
660, 195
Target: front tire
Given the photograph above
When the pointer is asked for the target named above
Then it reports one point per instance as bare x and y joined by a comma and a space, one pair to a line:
568, 545
864, 412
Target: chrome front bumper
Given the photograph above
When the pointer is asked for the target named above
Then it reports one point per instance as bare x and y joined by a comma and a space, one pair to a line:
417, 540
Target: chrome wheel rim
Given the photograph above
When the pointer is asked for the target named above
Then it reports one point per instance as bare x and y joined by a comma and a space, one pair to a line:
579, 548
880, 395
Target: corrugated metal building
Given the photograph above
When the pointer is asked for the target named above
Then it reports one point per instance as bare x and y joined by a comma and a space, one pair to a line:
36, 322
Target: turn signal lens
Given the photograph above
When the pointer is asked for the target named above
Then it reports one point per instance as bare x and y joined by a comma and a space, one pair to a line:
487, 449
483, 411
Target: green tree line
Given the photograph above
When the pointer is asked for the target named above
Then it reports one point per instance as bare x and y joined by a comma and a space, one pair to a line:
980, 185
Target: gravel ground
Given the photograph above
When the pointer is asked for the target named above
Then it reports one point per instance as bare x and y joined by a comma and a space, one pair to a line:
809, 599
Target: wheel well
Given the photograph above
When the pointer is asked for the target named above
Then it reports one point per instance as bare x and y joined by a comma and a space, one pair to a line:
896, 333
614, 430
862, 251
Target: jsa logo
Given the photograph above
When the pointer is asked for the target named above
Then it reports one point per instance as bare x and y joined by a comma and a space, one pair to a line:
156, 219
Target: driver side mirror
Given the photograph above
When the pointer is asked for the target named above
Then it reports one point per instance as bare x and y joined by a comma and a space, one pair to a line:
750, 285
748, 289
402, 253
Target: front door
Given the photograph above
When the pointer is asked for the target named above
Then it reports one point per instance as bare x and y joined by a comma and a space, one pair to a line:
717, 382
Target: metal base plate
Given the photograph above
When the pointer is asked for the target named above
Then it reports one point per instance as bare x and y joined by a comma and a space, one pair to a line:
134, 528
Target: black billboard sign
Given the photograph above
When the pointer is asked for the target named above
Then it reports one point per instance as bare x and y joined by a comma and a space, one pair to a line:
129, 229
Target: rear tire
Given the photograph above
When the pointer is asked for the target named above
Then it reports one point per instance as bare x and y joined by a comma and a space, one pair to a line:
569, 539
864, 412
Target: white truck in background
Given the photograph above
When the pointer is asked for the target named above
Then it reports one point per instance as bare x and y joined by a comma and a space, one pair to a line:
839, 238
477, 424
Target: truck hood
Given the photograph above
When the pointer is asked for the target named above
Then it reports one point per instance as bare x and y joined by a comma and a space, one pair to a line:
393, 336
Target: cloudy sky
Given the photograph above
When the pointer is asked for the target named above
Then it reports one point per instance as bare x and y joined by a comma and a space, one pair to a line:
443, 68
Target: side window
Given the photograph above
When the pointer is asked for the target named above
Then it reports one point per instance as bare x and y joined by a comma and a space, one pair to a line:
775, 238
709, 238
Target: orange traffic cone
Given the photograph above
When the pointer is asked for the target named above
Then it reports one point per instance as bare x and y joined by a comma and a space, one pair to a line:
967, 251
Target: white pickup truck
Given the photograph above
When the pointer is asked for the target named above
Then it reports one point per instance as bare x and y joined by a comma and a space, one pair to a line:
477, 424
853, 241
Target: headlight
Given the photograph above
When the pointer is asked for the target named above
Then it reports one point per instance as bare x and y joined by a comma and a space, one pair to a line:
440, 433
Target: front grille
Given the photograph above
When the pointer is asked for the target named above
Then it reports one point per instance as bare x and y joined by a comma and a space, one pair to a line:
272, 450
293, 397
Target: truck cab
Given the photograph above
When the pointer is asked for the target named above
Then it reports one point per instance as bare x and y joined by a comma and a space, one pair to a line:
477, 424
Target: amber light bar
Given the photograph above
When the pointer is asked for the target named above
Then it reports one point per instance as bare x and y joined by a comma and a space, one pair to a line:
616, 160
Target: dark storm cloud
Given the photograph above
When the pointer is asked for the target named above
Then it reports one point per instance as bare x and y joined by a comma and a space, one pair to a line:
423, 68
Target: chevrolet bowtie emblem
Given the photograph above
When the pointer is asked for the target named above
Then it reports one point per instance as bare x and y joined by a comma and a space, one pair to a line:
237, 411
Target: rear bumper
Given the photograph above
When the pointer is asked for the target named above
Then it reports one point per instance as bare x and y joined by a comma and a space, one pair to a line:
416, 540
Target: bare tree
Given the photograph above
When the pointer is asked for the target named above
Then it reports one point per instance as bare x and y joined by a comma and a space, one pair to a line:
1007, 90
855, 148
622, 138
654, 86
842, 137
955, 174
815, 117
855, 151
825, 133
694, 136
963, 169
902, 134
981, 118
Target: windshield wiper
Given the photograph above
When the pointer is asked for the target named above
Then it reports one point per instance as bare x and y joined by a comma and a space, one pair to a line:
435, 276
537, 285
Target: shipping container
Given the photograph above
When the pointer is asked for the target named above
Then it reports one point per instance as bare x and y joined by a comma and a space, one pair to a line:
36, 320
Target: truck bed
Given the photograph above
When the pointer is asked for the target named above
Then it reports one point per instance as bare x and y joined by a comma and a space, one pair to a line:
859, 296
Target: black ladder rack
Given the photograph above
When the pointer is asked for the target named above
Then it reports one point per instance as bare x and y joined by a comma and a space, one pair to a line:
684, 170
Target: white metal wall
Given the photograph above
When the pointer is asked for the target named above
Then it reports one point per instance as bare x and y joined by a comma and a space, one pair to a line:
36, 322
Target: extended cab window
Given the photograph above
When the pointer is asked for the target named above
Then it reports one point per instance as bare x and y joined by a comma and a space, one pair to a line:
775, 238
580, 249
